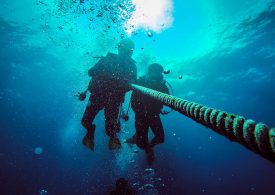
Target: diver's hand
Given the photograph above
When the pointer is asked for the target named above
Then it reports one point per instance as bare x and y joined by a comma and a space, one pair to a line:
81, 95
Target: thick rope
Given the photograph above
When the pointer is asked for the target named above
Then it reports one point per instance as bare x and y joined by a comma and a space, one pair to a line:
257, 137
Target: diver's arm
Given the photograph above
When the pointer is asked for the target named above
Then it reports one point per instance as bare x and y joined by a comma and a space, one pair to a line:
94, 70
91, 72
164, 110
166, 90
97, 68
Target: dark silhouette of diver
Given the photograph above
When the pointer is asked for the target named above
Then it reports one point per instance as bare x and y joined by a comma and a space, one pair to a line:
147, 111
111, 76
122, 188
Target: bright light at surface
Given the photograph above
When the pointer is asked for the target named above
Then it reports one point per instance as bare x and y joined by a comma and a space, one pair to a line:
155, 15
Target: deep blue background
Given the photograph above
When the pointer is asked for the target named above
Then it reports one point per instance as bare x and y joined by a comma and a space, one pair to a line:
37, 109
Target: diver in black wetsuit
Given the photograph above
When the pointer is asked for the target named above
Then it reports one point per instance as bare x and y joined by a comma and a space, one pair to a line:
147, 111
111, 76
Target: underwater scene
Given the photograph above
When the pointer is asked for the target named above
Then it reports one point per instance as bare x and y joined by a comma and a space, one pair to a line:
137, 97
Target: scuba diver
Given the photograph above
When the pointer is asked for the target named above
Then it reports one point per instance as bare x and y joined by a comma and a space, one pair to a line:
111, 76
147, 111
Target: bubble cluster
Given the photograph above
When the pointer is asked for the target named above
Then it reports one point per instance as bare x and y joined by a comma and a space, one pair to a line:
43, 192
150, 34
150, 184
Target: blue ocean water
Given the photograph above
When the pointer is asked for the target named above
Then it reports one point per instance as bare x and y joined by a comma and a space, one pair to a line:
224, 50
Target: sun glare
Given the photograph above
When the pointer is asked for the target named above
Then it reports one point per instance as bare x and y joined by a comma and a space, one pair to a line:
154, 15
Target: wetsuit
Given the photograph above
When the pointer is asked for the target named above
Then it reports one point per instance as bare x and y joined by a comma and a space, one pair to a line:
110, 81
147, 112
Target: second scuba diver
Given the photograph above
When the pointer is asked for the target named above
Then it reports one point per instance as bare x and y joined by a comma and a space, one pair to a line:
147, 111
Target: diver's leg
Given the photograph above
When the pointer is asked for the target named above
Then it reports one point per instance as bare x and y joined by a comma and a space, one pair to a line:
133, 139
93, 107
111, 111
112, 125
142, 127
157, 128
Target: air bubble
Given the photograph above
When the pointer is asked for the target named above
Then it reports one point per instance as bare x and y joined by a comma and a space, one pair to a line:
43, 192
166, 71
150, 34
38, 150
